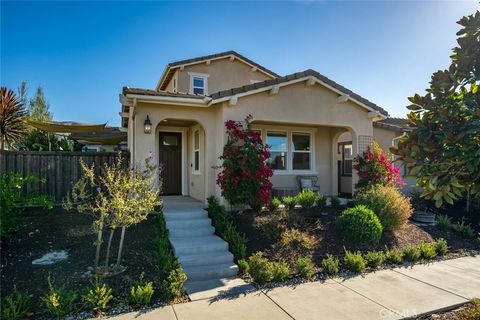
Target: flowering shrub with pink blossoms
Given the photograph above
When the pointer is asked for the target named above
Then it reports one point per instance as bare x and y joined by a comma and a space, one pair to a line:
374, 167
245, 175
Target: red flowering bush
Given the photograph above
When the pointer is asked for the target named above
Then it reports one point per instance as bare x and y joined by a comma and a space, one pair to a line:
245, 175
374, 167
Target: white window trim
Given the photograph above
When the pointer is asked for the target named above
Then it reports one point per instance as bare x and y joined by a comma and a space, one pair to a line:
286, 151
289, 171
194, 171
301, 151
199, 75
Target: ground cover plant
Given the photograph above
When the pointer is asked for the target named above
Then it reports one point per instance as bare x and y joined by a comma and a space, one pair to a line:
290, 235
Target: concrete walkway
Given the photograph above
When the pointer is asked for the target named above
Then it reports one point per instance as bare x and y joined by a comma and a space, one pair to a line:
388, 294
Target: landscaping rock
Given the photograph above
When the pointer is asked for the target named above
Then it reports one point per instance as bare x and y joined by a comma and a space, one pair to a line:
51, 258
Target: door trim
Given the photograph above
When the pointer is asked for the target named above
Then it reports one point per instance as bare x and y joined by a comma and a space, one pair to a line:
183, 132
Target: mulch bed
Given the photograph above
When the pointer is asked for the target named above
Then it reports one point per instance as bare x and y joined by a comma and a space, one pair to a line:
44, 231
321, 224
468, 311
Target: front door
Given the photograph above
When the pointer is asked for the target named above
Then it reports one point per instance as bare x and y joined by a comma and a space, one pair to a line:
171, 157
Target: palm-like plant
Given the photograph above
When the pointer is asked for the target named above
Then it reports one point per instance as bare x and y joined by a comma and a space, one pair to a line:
12, 117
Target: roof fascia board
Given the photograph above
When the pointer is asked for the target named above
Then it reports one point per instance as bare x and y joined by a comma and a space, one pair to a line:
171, 100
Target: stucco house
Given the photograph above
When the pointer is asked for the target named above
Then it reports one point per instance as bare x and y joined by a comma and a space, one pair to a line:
313, 124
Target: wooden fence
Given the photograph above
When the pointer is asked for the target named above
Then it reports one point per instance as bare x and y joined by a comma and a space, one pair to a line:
59, 169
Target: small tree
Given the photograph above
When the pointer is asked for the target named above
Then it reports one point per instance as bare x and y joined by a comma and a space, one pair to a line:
245, 175
443, 149
119, 197
374, 167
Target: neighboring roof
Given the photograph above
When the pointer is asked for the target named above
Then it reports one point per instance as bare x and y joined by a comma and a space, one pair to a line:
66, 126
294, 76
111, 135
395, 124
147, 92
168, 73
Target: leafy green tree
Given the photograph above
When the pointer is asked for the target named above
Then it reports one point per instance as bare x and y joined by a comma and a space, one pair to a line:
443, 149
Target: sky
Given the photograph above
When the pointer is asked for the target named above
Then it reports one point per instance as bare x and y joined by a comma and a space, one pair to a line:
83, 53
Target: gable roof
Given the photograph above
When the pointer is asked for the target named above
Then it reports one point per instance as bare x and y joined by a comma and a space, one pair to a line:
395, 124
170, 68
295, 76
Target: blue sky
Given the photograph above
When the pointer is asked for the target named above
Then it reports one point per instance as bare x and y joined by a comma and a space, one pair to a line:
83, 53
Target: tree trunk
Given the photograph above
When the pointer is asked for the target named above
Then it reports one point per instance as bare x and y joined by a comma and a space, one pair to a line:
120, 247
468, 201
99, 243
108, 248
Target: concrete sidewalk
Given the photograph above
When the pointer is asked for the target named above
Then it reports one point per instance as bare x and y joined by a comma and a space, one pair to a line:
387, 294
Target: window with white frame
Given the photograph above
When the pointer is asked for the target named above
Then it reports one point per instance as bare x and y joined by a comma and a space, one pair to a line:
347, 155
277, 142
198, 83
301, 151
196, 151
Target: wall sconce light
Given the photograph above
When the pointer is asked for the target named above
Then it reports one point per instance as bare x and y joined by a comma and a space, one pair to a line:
147, 125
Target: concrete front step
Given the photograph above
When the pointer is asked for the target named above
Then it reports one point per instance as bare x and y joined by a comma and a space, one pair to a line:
192, 245
205, 259
191, 223
215, 271
192, 232
187, 215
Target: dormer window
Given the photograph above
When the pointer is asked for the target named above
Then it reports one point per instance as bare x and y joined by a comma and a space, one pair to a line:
198, 83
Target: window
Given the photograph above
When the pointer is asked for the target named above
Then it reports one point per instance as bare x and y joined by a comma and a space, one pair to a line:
278, 150
196, 151
347, 158
301, 151
198, 83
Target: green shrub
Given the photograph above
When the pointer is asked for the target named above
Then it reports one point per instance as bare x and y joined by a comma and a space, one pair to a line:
443, 222
294, 219
392, 208
173, 285
330, 265
305, 267
306, 199
271, 228
394, 256
243, 267
335, 202
441, 246
280, 271
359, 225
58, 301
163, 250
411, 253
99, 296
352, 203
374, 259
237, 241
354, 261
141, 293
274, 204
15, 305
427, 250
297, 239
260, 268
465, 230
321, 201
289, 202
11, 198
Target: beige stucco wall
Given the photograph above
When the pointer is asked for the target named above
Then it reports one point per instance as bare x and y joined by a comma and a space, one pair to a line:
223, 74
384, 137
295, 108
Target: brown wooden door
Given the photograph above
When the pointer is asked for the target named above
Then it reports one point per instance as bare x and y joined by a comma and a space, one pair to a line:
170, 156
